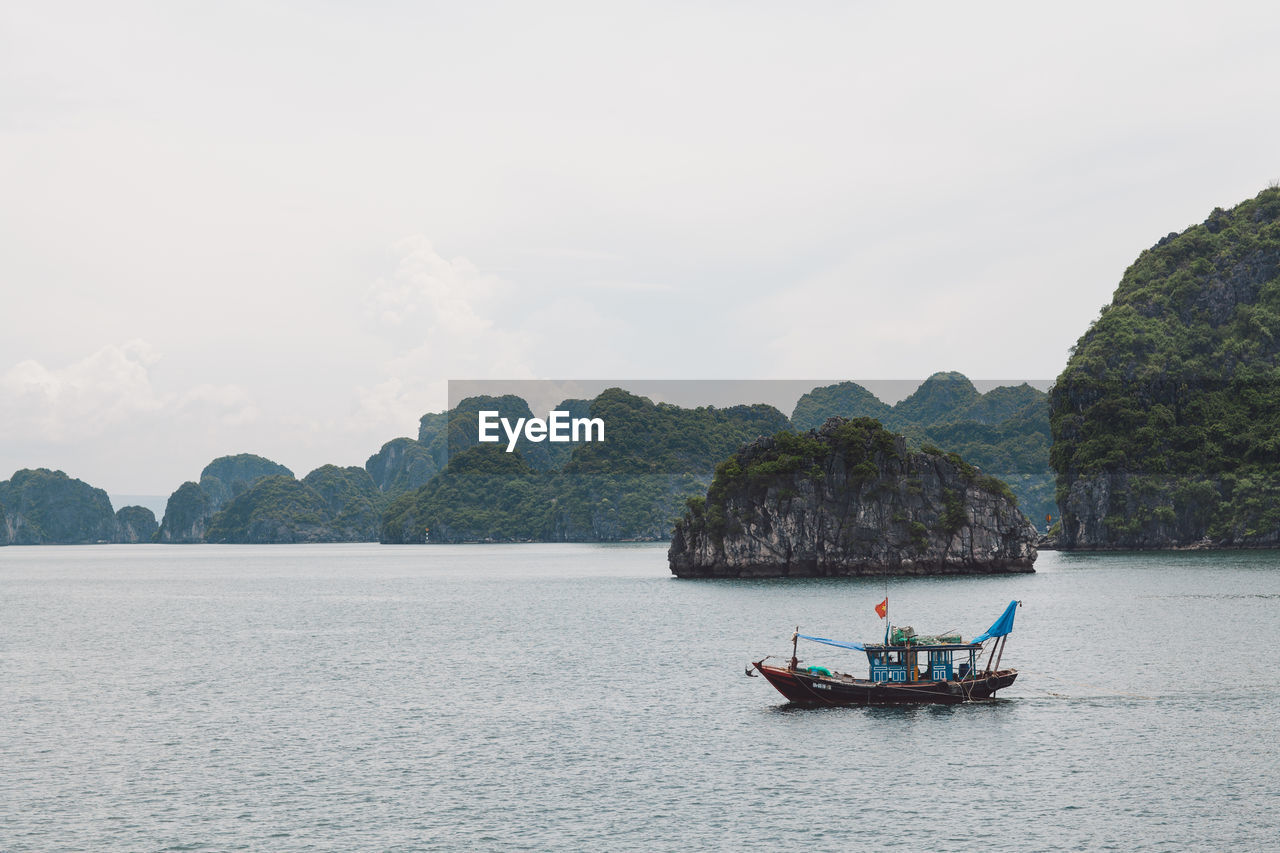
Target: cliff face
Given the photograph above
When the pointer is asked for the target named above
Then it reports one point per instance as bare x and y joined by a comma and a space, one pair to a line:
1120, 510
1165, 419
849, 499
186, 515
402, 465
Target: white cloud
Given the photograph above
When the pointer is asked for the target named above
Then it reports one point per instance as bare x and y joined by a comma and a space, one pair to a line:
392, 407
103, 391
81, 399
229, 405
103, 418
445, 296
438, 314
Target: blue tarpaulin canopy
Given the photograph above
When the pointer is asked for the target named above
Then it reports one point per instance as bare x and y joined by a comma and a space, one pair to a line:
837, 643
1001, 626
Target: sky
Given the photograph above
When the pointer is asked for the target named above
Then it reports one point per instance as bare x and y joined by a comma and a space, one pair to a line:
282, 228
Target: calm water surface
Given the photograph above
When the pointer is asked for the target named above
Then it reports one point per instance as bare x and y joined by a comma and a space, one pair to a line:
578, 697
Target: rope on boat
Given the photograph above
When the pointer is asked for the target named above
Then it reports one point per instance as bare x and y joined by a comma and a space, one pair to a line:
750, 666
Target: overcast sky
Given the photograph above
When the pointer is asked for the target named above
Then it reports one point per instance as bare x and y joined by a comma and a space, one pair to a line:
280, 228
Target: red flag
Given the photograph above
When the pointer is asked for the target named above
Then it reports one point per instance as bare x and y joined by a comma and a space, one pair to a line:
882, 609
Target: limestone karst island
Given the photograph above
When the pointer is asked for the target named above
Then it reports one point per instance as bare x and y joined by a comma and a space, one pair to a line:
846, 499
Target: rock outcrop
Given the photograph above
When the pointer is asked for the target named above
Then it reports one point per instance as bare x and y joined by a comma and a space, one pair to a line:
228, 476
1165, 418
191, 508
350, 502
136, 524
850, 499
43, 507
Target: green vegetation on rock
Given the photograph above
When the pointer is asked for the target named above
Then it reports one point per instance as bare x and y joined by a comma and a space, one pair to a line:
845, 400
631, 486
942, 398
484, 495
1005, 431
1166, 419
330, 504
247, 498
352, 503
275, 509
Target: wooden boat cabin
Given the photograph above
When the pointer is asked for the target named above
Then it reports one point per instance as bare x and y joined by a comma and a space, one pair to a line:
937, 662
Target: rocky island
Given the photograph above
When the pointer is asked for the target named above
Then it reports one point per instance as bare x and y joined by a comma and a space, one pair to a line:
850, 499
43, 507
246, 499
192, 507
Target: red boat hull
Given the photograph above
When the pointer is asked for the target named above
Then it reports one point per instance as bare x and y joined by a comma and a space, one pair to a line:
807, 688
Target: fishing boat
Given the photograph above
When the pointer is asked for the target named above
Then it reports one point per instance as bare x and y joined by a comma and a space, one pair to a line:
905, 668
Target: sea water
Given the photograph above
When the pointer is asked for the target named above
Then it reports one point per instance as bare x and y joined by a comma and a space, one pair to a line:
577, 697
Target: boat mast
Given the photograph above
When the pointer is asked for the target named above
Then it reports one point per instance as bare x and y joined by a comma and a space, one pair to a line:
886, 605
1003, 640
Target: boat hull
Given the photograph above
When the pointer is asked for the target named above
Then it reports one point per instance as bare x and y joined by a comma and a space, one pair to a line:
807, 688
